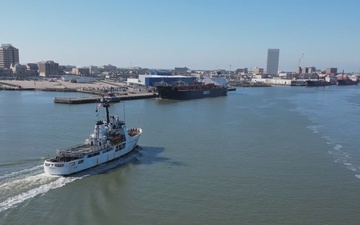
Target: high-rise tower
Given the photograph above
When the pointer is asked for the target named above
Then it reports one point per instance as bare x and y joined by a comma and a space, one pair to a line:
272, 66
8, 55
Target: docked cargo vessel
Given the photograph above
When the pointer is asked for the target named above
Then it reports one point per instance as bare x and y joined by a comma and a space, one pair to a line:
347, 81
190, 91
317, 83
110, 140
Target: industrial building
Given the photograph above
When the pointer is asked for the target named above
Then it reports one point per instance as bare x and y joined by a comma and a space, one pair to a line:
151, 80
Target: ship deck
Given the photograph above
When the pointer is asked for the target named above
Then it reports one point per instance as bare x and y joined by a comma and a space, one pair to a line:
77, 152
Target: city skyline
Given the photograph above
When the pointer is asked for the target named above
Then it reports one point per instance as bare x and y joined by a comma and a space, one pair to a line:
196, 34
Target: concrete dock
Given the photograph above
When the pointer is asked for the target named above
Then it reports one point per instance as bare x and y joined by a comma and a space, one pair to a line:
97, 89
93, 99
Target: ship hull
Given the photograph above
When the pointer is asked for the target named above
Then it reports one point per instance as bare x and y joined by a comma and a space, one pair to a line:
175, 93
317, 83
87, 162
346, 82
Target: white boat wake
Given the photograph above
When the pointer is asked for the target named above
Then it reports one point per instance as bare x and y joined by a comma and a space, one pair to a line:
17, 187
19, 173
20, 186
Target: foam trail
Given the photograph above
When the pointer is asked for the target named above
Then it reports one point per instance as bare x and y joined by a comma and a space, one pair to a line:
338, 147
350, 166
24, 185
17, 173
15, 200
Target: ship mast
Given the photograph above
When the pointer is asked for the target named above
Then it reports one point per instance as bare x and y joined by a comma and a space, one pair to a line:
106, 105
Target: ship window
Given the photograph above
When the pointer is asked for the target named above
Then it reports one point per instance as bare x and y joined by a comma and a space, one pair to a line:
80, 161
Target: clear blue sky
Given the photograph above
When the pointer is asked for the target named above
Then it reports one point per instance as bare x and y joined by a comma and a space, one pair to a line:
198, 34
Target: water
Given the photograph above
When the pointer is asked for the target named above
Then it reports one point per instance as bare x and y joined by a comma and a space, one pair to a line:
280, 155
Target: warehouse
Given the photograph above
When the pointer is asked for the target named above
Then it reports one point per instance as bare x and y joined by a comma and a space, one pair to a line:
151, 80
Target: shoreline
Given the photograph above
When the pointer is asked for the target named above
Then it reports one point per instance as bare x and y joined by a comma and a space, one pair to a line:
57, 84
98, 89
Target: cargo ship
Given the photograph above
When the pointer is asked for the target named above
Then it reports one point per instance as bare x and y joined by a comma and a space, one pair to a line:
110, 140
346, 81
190, 91
317, 83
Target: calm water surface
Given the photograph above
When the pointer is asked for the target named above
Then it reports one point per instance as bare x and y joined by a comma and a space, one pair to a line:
280, 155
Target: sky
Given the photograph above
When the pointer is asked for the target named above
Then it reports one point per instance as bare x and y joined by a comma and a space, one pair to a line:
198, 34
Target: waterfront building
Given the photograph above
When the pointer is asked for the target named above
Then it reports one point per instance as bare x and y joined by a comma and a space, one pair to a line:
81, 71
48, 68
181, 70
258, 70
32, 69
162, 73
9, 55
5, 72
286, 75
331, 71
309, 76
66, 69
109, 67
272, 65
261, 76
301, 70
151, 80
218, 72
277, 81
18, 69
311, 69
242, 71
94, 70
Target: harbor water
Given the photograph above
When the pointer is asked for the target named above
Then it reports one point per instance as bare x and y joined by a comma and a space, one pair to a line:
278, 155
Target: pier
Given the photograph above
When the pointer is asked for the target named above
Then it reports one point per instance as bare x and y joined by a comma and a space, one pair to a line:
96, 91
93, 99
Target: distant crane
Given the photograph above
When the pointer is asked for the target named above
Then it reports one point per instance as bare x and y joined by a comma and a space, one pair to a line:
302, 55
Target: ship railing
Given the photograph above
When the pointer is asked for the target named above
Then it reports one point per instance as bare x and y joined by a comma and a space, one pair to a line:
79, 151
71, 148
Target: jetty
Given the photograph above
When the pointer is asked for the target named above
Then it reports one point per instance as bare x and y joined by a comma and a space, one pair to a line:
93, 99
